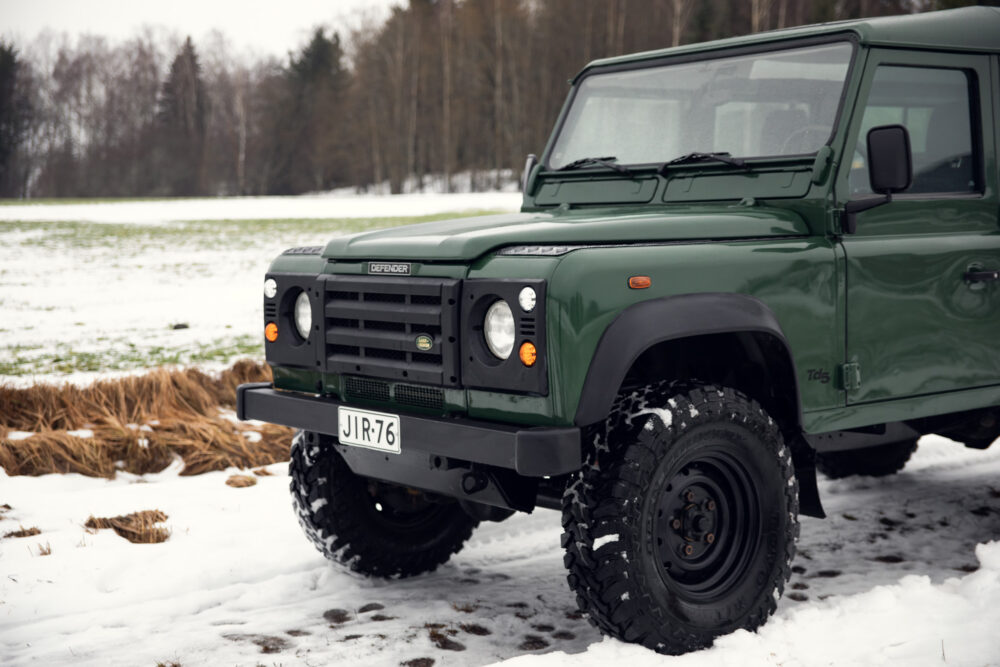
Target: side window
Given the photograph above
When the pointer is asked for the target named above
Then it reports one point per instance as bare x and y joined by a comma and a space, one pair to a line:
935, 107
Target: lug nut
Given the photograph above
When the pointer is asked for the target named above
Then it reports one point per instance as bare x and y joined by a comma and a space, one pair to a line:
689, 496
711, 505
676, 524
687, 550
710, 538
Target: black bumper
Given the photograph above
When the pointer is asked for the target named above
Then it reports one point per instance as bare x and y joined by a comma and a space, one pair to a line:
532, 452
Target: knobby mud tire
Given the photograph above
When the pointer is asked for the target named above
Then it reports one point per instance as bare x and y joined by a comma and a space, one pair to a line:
339, 513
612, 531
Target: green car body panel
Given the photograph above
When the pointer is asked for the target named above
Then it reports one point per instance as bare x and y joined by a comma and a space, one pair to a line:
880, 325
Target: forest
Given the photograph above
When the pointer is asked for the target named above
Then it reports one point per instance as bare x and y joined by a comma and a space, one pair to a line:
439, 88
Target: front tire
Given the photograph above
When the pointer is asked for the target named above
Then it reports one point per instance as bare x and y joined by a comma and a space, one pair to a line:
682, 525
371, 527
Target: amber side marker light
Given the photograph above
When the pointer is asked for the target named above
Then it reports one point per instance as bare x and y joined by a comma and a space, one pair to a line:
271, 332
528, 353
639, 282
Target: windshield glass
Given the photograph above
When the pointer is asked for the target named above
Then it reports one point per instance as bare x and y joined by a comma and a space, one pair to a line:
764, 104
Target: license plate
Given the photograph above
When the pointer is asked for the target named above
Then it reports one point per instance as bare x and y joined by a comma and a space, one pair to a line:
363, 428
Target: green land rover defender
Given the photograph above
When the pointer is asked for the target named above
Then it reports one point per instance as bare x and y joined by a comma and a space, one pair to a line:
736, 263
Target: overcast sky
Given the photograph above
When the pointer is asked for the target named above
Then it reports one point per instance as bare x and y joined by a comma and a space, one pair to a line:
266, 27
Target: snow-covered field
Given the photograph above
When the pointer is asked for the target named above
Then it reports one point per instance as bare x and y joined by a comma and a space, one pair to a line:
886, 580
906, 571
90, 288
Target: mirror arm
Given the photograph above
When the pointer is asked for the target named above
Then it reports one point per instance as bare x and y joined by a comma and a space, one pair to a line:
855, 206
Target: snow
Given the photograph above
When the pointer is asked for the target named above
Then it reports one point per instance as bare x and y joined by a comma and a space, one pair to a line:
604, 539
889, 578
339, 205
140, 283
236, 570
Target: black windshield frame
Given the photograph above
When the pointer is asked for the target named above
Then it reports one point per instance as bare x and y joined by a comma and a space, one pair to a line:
847, 37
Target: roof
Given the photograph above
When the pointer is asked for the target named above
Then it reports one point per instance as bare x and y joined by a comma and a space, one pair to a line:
967, 29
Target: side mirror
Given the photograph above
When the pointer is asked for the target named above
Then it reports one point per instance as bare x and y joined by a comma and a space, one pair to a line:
529, 164
890, 170
890, 164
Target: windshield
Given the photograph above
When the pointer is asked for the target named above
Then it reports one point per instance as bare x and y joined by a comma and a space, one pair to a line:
763, 104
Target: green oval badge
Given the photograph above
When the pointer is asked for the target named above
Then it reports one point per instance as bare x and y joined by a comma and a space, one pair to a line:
424, 342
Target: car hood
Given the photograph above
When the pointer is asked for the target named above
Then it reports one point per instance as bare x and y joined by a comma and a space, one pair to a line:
465, 239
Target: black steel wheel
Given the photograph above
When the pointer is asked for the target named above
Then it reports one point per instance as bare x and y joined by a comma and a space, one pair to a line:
371, 527
877, 461
682, 526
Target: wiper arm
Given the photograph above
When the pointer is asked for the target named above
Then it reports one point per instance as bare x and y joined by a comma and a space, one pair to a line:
611, 162
703, 157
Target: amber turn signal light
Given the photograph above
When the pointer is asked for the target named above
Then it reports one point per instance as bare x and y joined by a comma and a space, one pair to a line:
639, 282
271, 332
528, 353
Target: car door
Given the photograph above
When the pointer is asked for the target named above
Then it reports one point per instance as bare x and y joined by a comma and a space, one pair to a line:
923, 311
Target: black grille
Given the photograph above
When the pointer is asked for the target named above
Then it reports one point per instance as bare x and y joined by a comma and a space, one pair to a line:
270, 310
372, 390
421, 397
379, 326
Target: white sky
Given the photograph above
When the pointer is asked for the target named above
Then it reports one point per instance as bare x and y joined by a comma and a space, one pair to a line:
264, 26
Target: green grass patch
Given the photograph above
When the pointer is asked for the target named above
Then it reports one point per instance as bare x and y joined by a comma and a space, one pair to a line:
49, 201
21, 360
222, 234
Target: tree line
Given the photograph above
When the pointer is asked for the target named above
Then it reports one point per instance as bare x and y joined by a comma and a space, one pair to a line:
440, 88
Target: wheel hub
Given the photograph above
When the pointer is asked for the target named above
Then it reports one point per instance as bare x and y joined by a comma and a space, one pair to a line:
703, 530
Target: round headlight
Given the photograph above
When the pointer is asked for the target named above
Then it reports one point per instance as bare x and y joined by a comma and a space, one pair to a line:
270, 288
526, 299
498, 326
303, 314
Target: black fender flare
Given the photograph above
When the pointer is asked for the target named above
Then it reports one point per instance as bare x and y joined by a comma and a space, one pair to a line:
642, 325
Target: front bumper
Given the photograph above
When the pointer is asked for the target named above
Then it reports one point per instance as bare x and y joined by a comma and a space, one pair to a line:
530, 452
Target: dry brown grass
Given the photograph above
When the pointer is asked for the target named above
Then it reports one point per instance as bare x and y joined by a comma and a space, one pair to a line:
45, 550
180, 406
241, 481
137, 527
23, 532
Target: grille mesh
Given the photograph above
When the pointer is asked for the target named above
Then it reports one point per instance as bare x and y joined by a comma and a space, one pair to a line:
372, 390
421, 397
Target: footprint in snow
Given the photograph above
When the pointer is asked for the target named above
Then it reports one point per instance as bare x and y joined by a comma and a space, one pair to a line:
475, 629
828, 574
533, 643
889, 558
440, 638
798, 597
267, 643
371, 606
418, 662
337, 616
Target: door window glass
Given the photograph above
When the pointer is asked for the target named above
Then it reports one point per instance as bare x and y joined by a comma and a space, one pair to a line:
934, 106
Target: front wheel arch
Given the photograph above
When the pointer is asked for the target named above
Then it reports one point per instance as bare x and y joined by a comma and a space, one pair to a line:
652, 324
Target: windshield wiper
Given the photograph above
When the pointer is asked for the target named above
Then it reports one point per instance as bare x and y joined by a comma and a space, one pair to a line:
611, 162
703, 157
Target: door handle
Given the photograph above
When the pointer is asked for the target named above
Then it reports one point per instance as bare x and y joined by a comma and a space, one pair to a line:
981, 276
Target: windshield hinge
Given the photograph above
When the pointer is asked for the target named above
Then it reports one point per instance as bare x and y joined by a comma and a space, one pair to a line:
850, 376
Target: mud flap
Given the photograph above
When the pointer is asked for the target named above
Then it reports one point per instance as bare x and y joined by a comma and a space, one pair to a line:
804, 459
